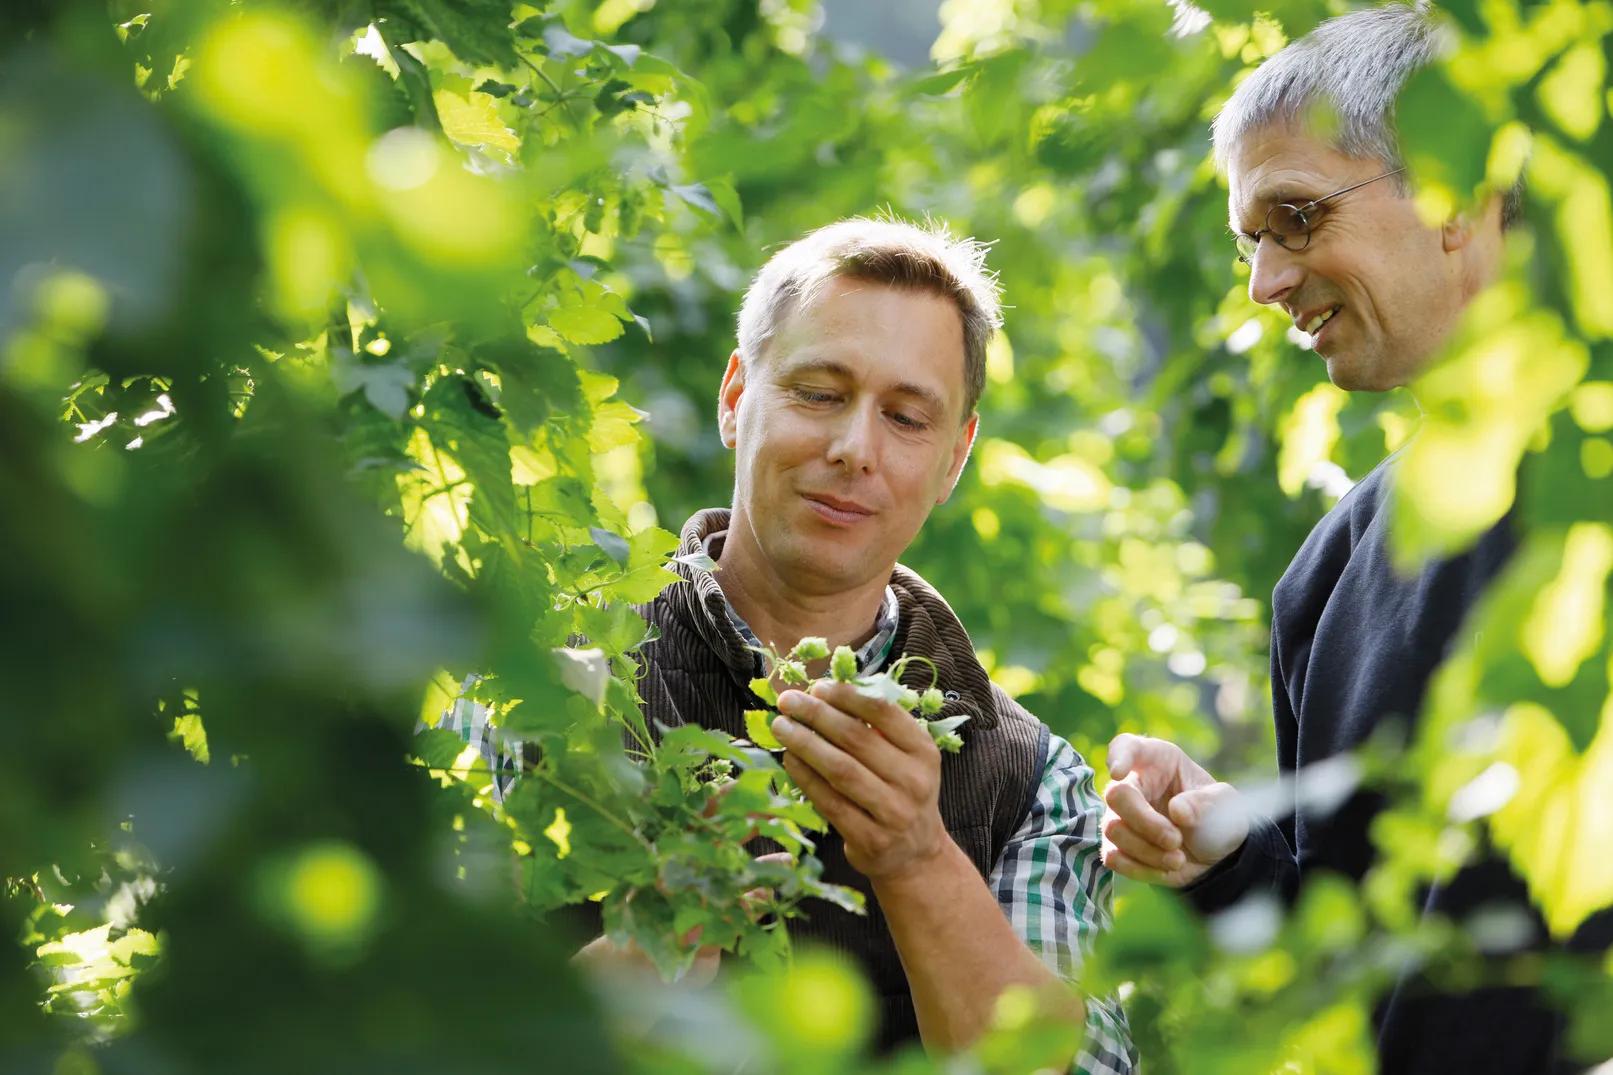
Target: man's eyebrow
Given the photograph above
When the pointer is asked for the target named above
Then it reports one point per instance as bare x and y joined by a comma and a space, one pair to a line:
928, 396
815, 365
1262, 200
1287, 194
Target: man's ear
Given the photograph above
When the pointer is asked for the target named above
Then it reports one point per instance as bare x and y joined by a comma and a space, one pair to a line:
733, 386
1457, 232
960, 455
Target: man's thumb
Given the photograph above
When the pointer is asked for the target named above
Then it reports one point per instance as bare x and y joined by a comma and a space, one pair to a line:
1211, 818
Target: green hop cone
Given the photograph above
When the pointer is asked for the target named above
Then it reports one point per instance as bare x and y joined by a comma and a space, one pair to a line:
843, 665
945, 732
931, 701
810, 649
908, 699
793, 673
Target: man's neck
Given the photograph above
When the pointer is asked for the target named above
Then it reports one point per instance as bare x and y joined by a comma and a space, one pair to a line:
780, 613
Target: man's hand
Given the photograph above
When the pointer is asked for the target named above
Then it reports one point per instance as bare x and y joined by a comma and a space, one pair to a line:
872, 771
1165, 819
605, 958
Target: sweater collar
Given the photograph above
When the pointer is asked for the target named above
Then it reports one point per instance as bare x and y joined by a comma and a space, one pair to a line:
924, 625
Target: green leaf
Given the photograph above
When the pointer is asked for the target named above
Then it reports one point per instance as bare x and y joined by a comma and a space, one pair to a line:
472, 119
762, 687
437, 747
612, 545
586, 325
1445, 133
697, 561
943, 82
585, 671
646, 574
477, 30
758, 726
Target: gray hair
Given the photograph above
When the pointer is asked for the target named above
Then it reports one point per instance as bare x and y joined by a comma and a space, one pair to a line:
884, 250
1356, 65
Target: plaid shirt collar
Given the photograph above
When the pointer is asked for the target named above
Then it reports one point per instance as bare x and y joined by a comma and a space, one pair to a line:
871, 655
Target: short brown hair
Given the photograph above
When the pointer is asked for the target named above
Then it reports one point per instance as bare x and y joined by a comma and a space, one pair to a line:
885, 250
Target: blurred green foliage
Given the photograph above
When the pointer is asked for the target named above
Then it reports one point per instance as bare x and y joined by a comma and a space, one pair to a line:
356, 358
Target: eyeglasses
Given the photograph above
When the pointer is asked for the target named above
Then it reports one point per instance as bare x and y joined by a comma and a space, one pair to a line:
1290, 225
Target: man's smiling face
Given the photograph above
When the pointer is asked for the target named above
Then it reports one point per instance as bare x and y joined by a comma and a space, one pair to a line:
1378, 291
848, 429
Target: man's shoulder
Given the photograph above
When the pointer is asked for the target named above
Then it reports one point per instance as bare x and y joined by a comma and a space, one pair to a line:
1362, 502
1333, 541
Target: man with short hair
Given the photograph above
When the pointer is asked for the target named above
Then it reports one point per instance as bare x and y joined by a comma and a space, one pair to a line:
850, 406
1331, 234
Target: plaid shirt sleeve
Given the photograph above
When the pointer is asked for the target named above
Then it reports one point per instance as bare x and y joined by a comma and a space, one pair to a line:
499, 761
1056, 893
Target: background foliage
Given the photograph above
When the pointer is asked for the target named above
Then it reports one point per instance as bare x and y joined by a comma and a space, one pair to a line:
360, 357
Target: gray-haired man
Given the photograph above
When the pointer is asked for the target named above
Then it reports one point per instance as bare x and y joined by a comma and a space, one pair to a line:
1330, 232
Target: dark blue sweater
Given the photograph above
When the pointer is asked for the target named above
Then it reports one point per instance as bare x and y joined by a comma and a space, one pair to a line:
1353, 647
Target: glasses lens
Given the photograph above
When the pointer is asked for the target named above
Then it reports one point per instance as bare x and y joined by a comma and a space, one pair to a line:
1247, 245
1289, 226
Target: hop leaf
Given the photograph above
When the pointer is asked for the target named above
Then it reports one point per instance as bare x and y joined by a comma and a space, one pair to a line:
810, 649
931, 701
762, 687
883, 687
759, 727
843, 665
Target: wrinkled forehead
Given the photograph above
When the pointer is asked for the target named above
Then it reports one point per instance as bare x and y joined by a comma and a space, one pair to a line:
1281, 163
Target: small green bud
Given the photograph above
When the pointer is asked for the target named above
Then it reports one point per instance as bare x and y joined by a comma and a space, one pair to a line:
810, 649
843, 665
950, 743
793, 673
908, 699
931, 701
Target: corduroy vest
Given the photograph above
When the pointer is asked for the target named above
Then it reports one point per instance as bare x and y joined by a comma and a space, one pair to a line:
699, 670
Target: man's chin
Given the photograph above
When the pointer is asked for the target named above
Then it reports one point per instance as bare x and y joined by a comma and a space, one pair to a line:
1351, 373
828, 568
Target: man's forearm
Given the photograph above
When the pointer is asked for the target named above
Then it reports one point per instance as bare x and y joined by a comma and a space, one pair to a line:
959, 951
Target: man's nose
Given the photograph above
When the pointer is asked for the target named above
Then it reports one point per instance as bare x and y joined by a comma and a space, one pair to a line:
1274, 272
855, 441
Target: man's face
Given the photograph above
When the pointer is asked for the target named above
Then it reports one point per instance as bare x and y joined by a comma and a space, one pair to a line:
848, 429
1390, 287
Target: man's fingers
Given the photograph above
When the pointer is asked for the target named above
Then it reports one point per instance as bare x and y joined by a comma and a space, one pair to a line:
1122, 748
890, 719
844, 772
845, 730
1213, 818
1126, 866
1118, 834
1157, 765
851, 821
1126, 801
755, 900
704, 969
